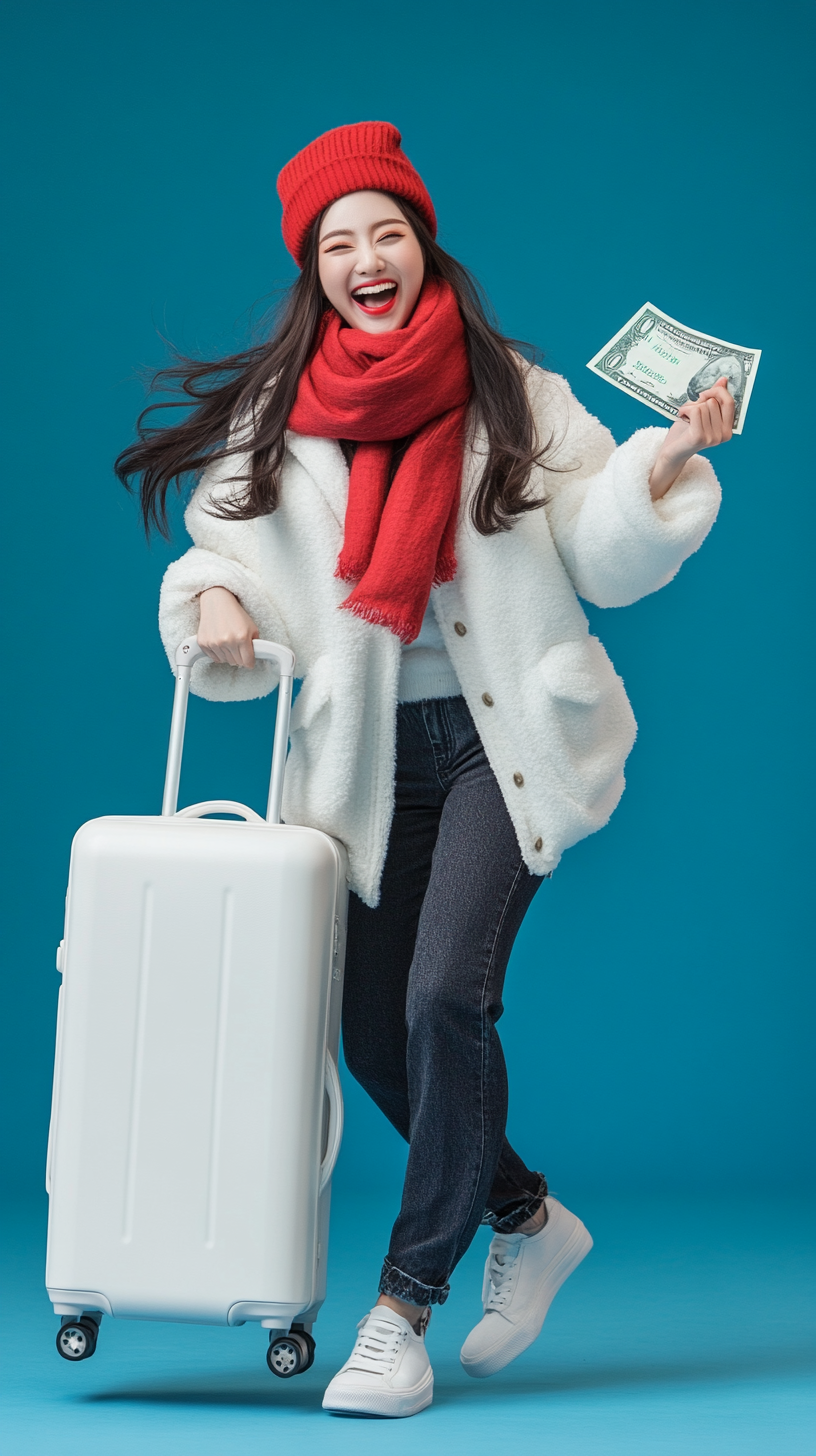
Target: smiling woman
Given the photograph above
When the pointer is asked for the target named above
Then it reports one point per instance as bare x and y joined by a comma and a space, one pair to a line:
461, 728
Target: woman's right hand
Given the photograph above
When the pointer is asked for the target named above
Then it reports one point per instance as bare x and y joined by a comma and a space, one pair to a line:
225, 630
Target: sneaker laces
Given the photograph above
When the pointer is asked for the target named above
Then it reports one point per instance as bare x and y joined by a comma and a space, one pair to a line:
501, 1271
377, 1345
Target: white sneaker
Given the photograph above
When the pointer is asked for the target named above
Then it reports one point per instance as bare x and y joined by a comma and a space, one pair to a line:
388, 1372
523, 1274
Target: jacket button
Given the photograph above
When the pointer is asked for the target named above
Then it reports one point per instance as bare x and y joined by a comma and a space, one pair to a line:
459, 628
538, 844
487, 700
518, 780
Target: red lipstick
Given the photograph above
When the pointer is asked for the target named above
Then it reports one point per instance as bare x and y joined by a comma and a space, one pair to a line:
376, 308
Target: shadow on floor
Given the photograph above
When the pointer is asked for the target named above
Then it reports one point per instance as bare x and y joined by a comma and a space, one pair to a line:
243, 1390
452, 1386
748, 1365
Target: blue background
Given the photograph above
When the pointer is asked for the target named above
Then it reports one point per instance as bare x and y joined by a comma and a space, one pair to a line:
583, 158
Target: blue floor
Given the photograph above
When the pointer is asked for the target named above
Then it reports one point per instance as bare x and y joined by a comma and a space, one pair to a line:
686, 1330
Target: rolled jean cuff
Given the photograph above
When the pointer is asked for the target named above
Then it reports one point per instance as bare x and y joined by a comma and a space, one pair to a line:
509, 1222
402, 1286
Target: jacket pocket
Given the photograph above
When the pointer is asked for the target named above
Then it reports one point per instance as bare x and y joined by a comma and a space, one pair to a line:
314, 694
589, 727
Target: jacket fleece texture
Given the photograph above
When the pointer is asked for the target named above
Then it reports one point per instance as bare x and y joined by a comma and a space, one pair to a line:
551, 711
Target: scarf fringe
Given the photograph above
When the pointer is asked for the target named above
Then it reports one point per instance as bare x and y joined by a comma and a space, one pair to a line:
400, 627
445, 570
349, 574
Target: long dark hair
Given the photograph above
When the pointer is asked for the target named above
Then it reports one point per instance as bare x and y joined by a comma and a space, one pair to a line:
238, 388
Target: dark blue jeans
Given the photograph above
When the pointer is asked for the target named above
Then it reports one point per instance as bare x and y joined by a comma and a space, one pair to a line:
424, 979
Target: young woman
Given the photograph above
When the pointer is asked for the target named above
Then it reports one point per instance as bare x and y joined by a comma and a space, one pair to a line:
392, 490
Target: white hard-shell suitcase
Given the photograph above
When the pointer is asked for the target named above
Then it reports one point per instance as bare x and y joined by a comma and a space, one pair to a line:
197, 1112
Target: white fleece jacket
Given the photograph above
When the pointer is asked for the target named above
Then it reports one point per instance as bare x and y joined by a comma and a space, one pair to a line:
552, 713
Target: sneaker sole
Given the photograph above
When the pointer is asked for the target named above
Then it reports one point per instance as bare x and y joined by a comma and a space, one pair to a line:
390, 1403
521, 1337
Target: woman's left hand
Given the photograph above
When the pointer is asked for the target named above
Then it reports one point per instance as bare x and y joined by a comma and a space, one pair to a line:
709, 421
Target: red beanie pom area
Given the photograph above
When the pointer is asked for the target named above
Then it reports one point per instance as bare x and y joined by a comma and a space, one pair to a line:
360, 158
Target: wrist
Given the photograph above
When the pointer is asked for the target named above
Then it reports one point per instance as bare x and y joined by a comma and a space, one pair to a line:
665, 471
207, 591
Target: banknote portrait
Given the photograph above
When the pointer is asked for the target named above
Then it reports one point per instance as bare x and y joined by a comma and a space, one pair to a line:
705, 378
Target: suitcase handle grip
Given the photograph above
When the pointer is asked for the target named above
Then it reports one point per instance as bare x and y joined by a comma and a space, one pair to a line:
188, 653
335, 1096
219, 806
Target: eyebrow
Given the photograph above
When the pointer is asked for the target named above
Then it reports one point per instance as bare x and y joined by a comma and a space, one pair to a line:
337, 231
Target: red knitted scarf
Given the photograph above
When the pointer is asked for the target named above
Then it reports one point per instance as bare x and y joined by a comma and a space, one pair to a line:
376, 388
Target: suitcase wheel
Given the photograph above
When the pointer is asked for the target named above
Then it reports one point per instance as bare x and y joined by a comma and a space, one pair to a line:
310, 1346
76, 1339
290, 1354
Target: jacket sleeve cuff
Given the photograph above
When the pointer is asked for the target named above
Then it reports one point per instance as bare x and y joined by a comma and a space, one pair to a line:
626, 545
679, 522
183, 582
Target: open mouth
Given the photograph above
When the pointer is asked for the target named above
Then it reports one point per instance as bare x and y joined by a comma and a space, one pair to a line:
376, 297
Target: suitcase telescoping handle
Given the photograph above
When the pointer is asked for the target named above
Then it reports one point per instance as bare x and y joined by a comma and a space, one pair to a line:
188, 653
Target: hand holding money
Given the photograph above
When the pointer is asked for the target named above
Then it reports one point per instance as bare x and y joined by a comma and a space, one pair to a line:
700, 382
700, 425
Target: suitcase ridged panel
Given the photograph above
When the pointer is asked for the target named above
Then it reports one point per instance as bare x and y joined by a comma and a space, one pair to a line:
190, 1121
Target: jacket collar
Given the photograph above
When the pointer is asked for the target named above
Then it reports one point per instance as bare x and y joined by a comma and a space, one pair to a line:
324, 461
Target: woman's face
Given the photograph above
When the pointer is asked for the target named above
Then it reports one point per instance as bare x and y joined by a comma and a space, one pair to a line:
370, 262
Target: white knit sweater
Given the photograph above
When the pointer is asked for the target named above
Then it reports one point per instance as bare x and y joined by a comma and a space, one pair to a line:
426, 670
550, 709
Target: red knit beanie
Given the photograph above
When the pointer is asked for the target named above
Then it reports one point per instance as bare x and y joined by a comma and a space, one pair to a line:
359, 158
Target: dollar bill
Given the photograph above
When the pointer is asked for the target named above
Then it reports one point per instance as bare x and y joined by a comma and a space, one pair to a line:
665, 364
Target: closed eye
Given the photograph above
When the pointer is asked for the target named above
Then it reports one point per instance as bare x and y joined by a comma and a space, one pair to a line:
340, 246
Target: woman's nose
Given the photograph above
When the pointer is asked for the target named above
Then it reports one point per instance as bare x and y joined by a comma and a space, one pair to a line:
368, 260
